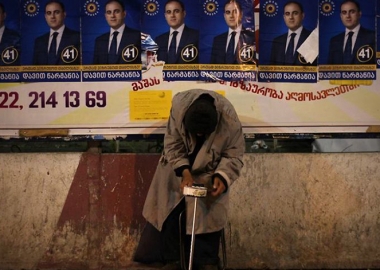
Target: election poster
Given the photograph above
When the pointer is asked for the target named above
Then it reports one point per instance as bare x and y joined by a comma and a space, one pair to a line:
50, 41
171, 32
10, 42
111, 40
347, 41
228, 49
68, 64
288, 41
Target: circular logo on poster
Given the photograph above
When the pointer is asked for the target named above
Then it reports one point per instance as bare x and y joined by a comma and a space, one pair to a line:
130, 53
302, 59
270, 8
189, 53
151, 7
246, 53
9, 55
327, 7
364, 54
69, 54
91, 7
210, 7
31, 8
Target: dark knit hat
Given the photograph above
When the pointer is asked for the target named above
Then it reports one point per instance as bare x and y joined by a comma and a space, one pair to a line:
201, 117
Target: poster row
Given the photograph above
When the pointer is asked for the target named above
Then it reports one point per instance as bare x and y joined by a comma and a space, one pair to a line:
208, 40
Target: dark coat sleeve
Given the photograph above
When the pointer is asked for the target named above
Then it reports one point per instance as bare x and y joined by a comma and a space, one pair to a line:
70, 40
366, 41
101, 49
130, 47
40, 52
69, 48
188, 50
162, 42
277, 56
218, 51
10, 42
129, 51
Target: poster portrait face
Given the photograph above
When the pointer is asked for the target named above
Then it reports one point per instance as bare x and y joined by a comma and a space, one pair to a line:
174, 14
338, 17
293, 16
99, 17
115, 14
38, 18
160, 15
55, 15
217, 17
277, 20
350, 15
172, 27
232, 14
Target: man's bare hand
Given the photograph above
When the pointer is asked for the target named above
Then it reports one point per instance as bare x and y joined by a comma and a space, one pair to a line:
187, 179
218, 187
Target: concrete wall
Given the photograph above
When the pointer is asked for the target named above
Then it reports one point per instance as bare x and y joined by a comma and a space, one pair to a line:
83, 211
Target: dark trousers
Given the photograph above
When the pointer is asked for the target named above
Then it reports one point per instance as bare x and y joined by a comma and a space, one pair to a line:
164, 246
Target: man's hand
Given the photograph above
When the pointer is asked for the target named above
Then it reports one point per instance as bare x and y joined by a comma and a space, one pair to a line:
218, 187
187, 179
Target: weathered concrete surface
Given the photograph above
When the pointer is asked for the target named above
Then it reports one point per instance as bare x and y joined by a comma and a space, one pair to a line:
306, 211
83, 211
33, 189
101, 220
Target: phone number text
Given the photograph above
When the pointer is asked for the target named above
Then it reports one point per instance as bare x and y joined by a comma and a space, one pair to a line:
67, 99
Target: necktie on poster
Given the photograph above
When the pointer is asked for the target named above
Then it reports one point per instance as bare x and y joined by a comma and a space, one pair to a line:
309, 49
289, 55
230, 54
52, 56
112, 54
347, 54
172, 53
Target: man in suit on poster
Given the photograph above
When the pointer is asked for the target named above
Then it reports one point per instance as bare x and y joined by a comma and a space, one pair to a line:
9, 42
227, 47
357, 44
180, 44
61, 45
120, 45
284, 47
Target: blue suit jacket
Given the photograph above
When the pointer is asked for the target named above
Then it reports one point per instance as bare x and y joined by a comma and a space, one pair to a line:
130, 37
41, 47
189, 36
10, 38
277, 56
218, 52
365, 37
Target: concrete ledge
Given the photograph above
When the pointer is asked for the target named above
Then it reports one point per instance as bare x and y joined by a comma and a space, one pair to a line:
287, 211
